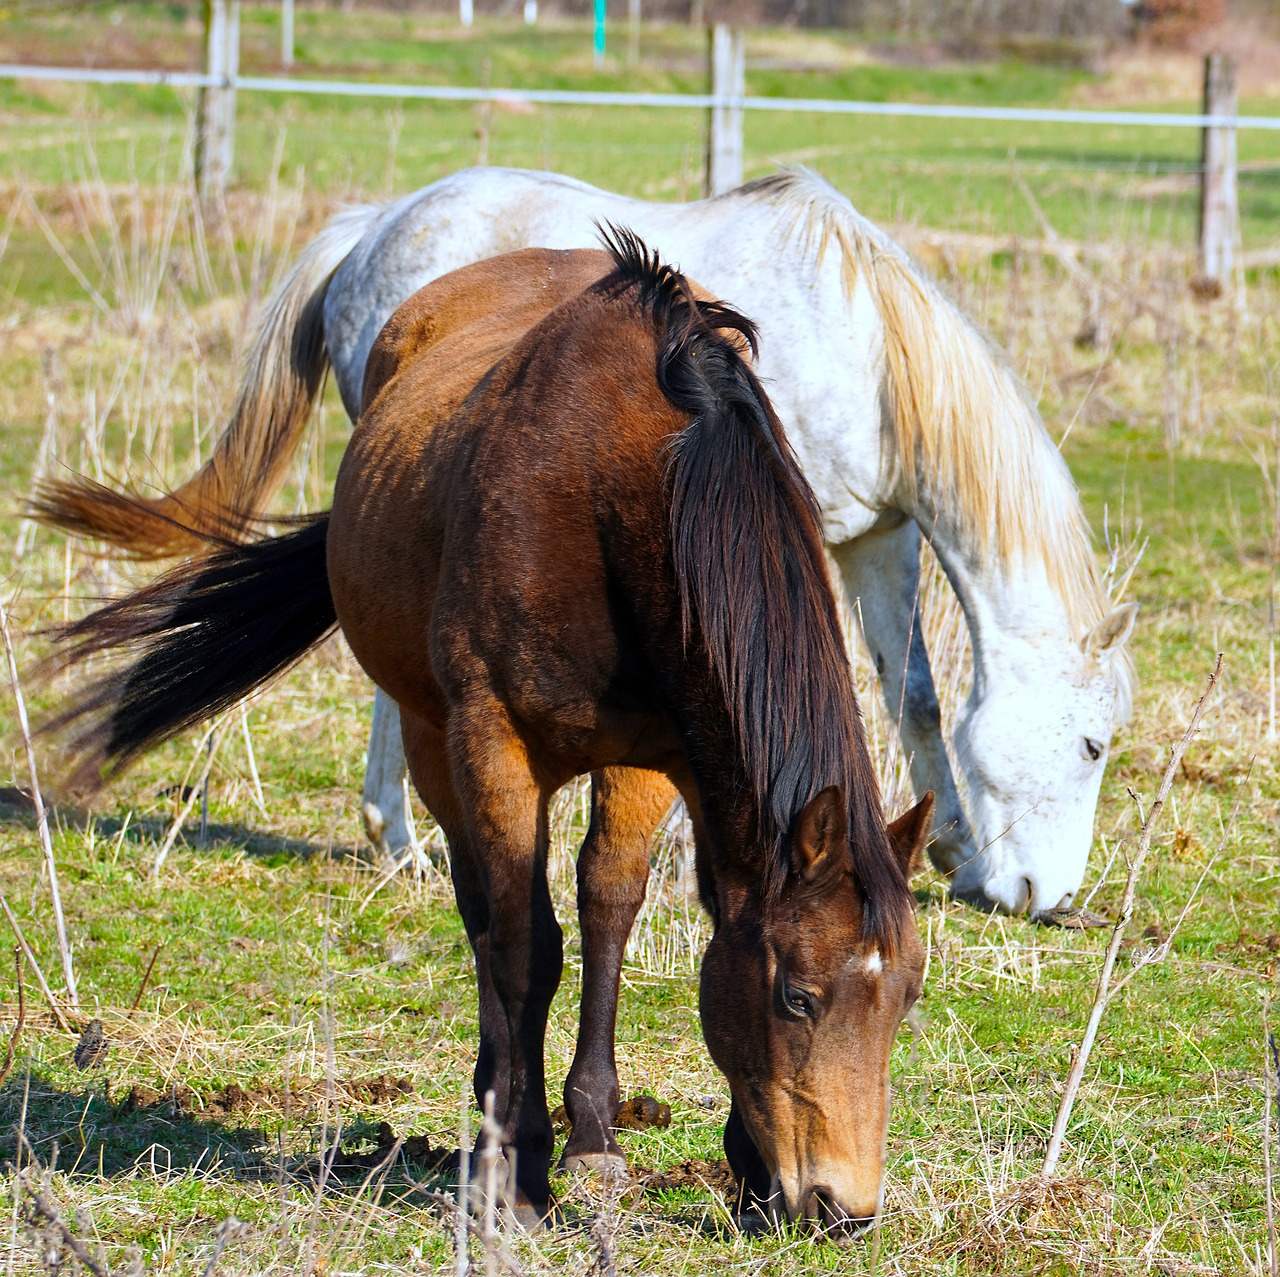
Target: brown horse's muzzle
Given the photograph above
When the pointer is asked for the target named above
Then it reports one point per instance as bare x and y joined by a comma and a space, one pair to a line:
834, 1220
822, 1210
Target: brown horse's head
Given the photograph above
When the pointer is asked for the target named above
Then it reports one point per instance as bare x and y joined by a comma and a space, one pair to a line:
799, 1010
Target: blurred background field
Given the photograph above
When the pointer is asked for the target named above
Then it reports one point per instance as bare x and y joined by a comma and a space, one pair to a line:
292, 978
1099, 183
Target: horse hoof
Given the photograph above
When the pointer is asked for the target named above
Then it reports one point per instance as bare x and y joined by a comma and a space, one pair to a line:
533, 1220
375, 828
603, 1164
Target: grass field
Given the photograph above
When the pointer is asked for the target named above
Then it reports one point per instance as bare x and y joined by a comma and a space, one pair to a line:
298, 1003
1093, 184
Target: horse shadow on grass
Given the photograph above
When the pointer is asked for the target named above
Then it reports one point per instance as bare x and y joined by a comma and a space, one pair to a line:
103, 1132
16, 808
108, 1132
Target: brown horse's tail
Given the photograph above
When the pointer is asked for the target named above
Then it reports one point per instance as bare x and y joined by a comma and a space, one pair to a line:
202, 637
282, 379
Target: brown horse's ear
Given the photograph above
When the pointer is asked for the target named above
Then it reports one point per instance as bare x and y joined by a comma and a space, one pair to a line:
822, 834
909, 833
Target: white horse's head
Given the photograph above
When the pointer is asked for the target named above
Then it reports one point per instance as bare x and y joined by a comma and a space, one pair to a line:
1032, 749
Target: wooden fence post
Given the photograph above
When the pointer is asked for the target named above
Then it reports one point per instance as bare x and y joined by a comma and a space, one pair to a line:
633, 32
215, 143
1219, 203
286, 34
727, 47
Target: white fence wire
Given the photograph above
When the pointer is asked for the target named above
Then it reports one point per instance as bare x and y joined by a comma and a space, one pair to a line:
685, 101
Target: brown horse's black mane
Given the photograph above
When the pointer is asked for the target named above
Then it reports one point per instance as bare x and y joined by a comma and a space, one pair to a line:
749, 559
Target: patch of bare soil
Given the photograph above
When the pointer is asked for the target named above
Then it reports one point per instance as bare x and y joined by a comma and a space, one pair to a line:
1144, 74
642, 1113
639, 1113
236, 1100
696, 1172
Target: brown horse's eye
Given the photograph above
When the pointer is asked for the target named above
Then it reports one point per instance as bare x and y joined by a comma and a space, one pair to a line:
798, 1001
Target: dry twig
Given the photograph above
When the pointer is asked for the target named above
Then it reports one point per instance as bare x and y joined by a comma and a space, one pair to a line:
35, 966
192, 798
42, 816
1102, 998
142, 988
1271, 1084
49, 1231
228, 1231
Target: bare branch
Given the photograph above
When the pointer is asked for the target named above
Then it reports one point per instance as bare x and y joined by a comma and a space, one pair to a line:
1105, 991
42, 816
35, 967
46, 1226
142, 988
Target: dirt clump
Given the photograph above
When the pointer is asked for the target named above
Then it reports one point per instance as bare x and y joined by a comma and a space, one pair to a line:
426, 1157
235, 1100
642, 1113
379, 1090
695, 1172
639, 1113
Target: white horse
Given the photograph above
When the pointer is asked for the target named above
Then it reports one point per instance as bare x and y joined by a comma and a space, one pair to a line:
904, 420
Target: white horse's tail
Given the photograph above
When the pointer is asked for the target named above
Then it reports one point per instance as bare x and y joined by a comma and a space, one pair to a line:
282, 379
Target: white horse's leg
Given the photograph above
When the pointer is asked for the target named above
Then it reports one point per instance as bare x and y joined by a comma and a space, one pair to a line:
385, 803
881, 573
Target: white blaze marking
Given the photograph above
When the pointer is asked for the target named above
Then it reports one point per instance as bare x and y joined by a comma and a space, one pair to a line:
874, 965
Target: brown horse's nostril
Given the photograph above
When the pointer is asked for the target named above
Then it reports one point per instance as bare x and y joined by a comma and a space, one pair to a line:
823, 1210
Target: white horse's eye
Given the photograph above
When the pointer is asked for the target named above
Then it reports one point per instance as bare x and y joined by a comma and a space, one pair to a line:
1093, 749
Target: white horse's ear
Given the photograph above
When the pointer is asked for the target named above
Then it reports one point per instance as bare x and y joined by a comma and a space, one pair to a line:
1112, 632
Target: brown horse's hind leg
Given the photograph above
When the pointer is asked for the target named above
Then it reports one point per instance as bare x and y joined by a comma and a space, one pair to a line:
505, 808
613, 868
425, 751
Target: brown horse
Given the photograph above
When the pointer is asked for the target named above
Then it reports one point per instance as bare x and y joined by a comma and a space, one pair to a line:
569, 536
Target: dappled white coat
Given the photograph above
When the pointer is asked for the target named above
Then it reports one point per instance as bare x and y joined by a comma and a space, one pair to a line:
904, 419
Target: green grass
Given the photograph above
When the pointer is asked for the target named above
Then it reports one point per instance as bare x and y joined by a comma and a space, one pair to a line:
283, 970
1096, 183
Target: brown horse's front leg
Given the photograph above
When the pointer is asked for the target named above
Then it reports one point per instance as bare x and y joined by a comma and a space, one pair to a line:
424, 747
506, 817
613, 868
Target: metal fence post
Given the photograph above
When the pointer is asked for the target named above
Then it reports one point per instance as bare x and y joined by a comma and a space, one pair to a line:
1219, 202
598, 32
727, 47
286, 34
215, 143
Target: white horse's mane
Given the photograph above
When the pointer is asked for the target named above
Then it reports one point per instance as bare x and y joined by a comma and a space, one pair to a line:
965, 430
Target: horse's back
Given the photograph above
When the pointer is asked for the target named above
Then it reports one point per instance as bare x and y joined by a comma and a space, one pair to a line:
469, 318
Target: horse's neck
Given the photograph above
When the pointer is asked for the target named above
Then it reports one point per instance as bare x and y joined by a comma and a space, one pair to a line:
1018, 625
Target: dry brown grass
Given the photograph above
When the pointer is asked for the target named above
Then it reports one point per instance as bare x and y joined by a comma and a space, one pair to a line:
148, 372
